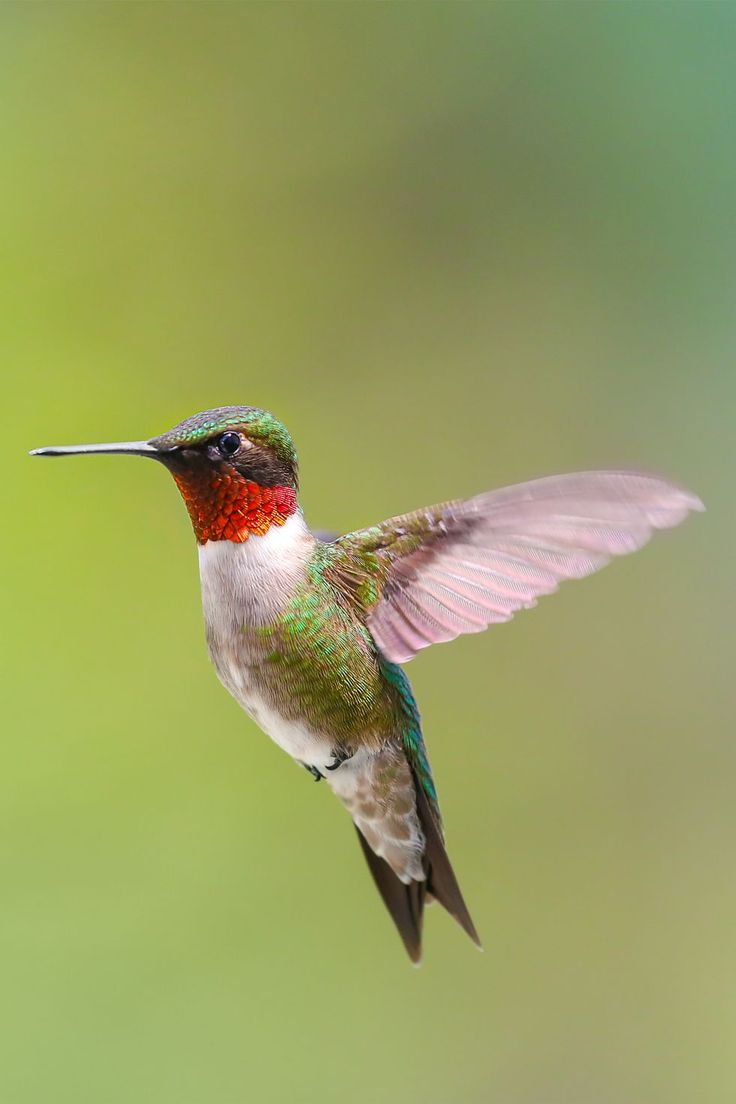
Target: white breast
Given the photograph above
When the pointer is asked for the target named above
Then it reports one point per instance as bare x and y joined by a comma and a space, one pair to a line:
247, 585
250, 583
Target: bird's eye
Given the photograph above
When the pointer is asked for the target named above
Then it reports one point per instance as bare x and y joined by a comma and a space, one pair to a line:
229, 444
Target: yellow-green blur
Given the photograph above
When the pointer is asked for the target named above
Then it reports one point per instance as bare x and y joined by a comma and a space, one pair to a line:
452, 246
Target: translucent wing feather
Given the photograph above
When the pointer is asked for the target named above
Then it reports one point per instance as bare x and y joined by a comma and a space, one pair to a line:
461, 566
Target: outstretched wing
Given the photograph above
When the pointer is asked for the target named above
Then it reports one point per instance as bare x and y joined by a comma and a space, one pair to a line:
458, 567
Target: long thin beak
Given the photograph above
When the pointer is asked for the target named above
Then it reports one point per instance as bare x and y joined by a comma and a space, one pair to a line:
131, 448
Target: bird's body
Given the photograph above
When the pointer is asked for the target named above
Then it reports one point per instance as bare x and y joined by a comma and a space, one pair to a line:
308, 636
295, 652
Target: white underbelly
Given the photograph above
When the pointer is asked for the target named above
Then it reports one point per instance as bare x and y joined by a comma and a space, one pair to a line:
294, 737
248, 584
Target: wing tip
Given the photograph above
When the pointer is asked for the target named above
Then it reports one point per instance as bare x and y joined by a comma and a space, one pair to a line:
677, 493
694, 502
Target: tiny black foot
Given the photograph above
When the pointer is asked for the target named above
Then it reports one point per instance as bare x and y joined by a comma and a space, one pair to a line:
339, 757
314, 771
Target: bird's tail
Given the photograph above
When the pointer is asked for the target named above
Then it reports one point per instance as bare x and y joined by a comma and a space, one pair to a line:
406, 902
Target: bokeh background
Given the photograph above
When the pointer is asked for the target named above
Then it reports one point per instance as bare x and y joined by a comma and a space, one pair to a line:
452, 246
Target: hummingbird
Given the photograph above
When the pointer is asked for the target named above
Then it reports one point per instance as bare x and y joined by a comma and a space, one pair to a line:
310, 635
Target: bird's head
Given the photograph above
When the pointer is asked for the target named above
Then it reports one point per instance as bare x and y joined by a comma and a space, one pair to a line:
236, 468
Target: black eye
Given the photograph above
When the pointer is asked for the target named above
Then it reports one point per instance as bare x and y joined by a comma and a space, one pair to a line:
229, 444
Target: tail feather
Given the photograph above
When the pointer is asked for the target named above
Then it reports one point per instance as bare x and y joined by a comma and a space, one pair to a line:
405, 902
441, 881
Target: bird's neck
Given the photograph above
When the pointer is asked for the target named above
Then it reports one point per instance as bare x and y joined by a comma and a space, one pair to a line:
250, 583
225, 506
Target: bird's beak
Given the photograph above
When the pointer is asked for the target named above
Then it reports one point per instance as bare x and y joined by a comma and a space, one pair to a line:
129, 448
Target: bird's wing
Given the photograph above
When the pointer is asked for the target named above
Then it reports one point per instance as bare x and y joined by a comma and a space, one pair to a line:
455, 568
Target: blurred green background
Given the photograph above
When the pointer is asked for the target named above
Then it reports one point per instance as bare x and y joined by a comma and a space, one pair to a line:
452, 246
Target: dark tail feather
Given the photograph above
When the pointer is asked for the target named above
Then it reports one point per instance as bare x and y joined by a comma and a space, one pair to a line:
441, 881
406, 902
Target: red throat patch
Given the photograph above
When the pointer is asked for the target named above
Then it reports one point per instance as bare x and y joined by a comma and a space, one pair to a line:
224, 505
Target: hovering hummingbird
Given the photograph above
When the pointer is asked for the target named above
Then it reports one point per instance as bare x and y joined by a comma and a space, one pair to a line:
308, 635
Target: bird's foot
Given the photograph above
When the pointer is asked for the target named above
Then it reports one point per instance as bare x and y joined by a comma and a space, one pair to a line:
339, 757
315, 772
